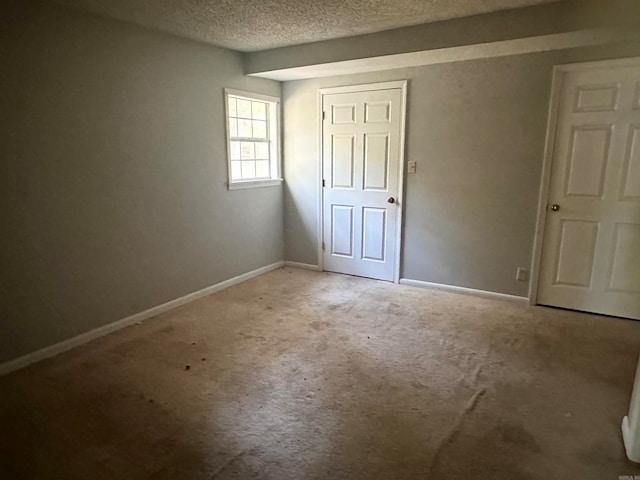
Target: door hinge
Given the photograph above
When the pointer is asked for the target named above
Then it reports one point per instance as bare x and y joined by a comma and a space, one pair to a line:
324, 114
323, 246
323, 182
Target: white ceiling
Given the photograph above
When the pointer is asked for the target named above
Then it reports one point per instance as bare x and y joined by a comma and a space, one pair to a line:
250, 25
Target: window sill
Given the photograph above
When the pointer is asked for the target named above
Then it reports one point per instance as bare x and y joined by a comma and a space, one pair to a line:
254, 184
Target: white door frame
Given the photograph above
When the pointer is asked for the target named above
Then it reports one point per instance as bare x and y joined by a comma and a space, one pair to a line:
402, 85
559, 71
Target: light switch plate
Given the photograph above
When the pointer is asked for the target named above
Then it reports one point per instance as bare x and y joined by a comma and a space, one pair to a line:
412, 167
522, 274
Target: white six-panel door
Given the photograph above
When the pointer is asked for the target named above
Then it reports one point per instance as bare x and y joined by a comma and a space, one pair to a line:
361, 148
591, 247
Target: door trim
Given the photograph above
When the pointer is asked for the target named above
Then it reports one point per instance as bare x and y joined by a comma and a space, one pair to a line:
559, 71
402, 86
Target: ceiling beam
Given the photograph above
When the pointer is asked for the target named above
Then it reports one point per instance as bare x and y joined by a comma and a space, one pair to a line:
546, 27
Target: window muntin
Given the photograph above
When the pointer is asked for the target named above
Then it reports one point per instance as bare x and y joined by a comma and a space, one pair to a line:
252, 138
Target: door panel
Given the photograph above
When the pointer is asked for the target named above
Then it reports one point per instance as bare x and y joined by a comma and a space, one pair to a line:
361, 159
591, 246
576, 253
374, 228
342, 160
377, 112
343, 114
631, 177
342, 231
624, 254
596, 98
588, 157
376, 161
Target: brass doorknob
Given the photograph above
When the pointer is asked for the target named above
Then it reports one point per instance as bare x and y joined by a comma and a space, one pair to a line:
555, 207
391, 200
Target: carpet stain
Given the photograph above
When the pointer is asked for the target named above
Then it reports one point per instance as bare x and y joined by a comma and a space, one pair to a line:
600, 453
518, 436
318, 326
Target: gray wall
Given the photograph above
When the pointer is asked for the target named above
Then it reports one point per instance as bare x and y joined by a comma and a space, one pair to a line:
476, 130
113, 174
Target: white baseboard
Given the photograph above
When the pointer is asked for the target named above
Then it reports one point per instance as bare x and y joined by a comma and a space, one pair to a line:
305, 266
52, 350
464, 290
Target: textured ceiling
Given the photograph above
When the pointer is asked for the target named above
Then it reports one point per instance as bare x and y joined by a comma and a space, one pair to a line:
250, 25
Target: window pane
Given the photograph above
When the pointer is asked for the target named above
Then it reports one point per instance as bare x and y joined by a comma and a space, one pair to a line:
262, 150
235, 151
251, 130
233, 127
236, 172
232, 107
248, 170
244, 108
244, 128
246, 151
259, 129
262, 169
259, 110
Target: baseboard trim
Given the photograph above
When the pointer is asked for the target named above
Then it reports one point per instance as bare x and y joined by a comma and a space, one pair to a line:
55, 349
305, 266
464, 290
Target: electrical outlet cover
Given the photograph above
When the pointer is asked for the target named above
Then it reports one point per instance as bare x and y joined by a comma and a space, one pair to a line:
522, 274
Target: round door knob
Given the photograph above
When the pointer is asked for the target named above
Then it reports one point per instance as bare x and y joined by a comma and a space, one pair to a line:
391, 200
555, 207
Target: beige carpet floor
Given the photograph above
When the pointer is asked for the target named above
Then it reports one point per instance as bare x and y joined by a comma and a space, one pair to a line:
305, 375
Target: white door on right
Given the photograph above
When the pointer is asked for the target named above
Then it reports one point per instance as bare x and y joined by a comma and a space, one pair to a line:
591, 246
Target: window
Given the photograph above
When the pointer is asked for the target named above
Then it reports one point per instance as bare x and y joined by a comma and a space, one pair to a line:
252, 139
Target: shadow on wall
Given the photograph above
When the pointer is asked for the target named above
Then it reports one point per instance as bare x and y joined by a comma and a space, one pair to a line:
305, 235
300, 122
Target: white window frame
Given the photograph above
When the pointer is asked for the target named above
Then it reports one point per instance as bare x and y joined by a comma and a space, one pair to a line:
274, 139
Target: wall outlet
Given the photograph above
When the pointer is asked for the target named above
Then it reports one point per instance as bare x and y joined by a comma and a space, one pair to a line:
412, 167
522, 274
